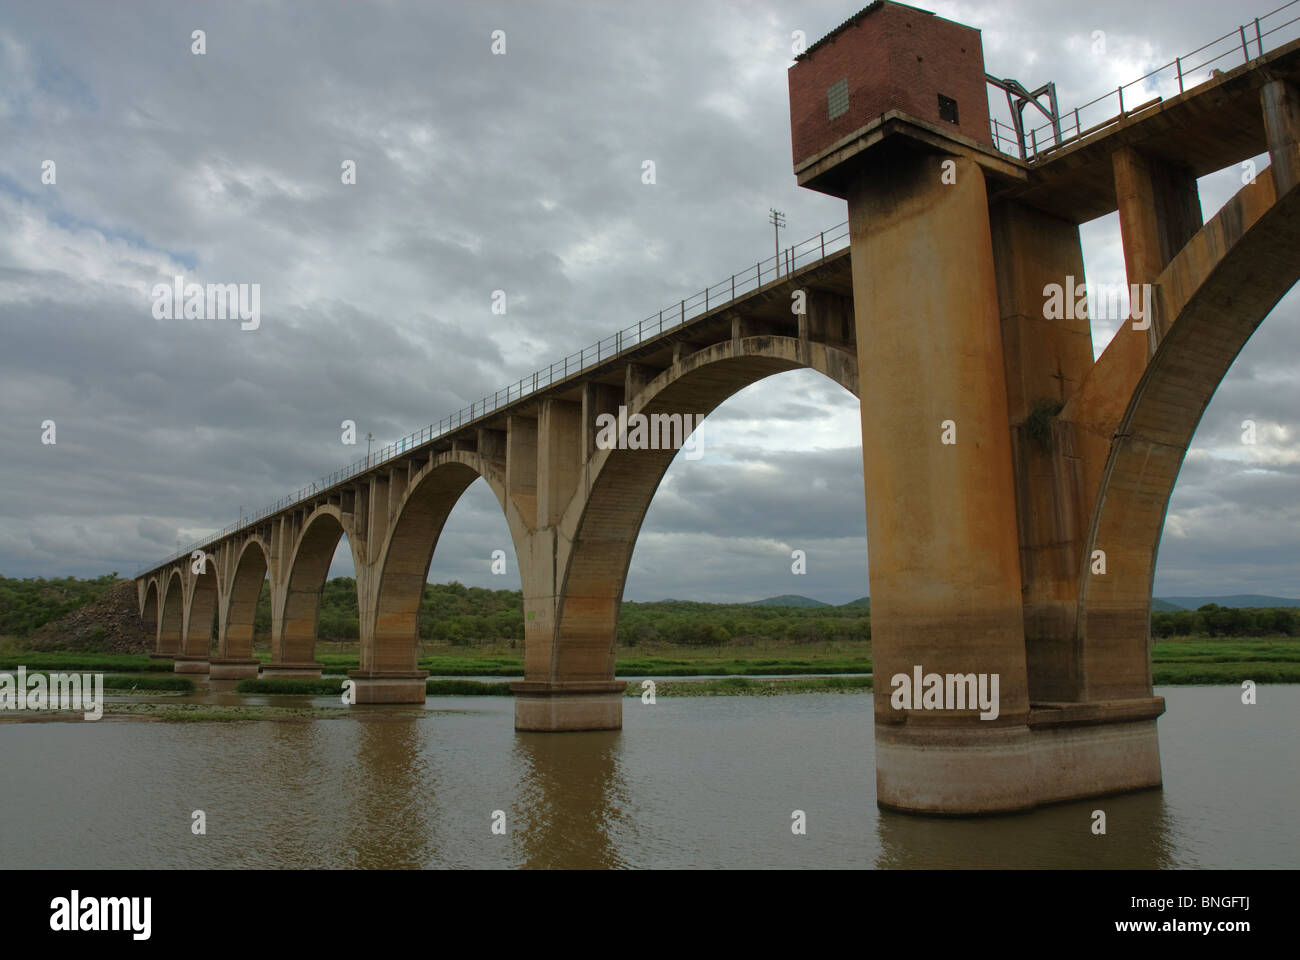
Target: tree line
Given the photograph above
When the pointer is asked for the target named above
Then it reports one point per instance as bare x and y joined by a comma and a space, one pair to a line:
456, 614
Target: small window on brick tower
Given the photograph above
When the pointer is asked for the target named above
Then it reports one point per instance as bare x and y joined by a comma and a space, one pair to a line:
837, 98
947, 109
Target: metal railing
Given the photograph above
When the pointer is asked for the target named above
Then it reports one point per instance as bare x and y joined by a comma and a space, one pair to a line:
1168, 80
690, 308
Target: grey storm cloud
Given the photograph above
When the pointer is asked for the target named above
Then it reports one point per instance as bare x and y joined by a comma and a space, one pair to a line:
477, 173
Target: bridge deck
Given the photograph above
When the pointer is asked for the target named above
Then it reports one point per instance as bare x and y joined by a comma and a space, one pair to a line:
1214, 125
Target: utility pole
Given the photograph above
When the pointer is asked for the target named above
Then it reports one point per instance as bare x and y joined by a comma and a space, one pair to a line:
370, 438
777, 219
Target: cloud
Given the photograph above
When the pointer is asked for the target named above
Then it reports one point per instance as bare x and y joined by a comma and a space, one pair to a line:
477, 173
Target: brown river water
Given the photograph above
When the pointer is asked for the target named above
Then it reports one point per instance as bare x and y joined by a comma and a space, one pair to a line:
688, 782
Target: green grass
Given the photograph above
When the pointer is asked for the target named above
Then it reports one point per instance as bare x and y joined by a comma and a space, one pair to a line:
1224, 673
1277, 650
93, 662
434, 686
299, 686
724, 666
466, 688
131, 681
208, 712
118, 681
745, 687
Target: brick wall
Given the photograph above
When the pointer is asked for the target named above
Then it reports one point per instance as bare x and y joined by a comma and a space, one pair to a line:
894, 58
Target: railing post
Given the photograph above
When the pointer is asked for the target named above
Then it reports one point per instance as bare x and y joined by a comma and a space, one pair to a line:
1259, 37
1121, 101
733, 286
1245, 46
1078, 127
758, 269
683, 311
822, 235
706, 299
661, 321
1178, 62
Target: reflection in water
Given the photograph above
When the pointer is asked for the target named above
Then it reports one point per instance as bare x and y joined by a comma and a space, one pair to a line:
392, 798
1137, 836
569, 799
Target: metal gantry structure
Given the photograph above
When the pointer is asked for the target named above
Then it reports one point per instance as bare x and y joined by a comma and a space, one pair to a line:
1174, 77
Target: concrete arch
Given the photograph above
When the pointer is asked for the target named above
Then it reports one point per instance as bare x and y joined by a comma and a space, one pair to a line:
293, 628
150, 603
200, 610
402, 564
1218, 289
171, 615
601, 529
240, 599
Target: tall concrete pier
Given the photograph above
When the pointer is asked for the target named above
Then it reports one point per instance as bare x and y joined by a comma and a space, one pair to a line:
1012, 527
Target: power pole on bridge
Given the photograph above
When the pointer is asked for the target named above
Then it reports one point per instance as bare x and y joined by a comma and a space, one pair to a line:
777, 219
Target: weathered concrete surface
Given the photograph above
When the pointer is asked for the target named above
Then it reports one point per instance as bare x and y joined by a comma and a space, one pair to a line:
305, 671
941, 516
233, 668
185, 664
575, 705
1045, 360
389, 687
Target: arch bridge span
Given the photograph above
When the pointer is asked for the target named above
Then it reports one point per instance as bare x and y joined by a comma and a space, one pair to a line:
1016, 489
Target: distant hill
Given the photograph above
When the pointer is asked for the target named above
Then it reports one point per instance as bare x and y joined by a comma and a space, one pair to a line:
1234, 600
860, 602
1164, 606
787, 600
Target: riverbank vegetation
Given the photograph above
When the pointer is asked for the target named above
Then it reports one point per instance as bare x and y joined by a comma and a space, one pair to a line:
468, 632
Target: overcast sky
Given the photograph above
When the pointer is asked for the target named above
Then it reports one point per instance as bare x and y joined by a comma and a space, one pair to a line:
478, 172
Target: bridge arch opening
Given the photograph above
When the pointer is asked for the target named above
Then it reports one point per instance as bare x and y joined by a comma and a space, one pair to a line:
605, 536
1219, 290
201, 618
149, 611
247, 587
410, 555
295, 631
171, 618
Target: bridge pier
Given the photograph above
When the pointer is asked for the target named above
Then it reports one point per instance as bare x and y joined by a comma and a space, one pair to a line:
306, 671
978, 502
574, 705
233, 668
186, 664
398, 686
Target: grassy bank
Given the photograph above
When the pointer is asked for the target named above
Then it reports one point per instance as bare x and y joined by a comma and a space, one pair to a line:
1179, 660
118, 682
83, 662
333, 686
744, 687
